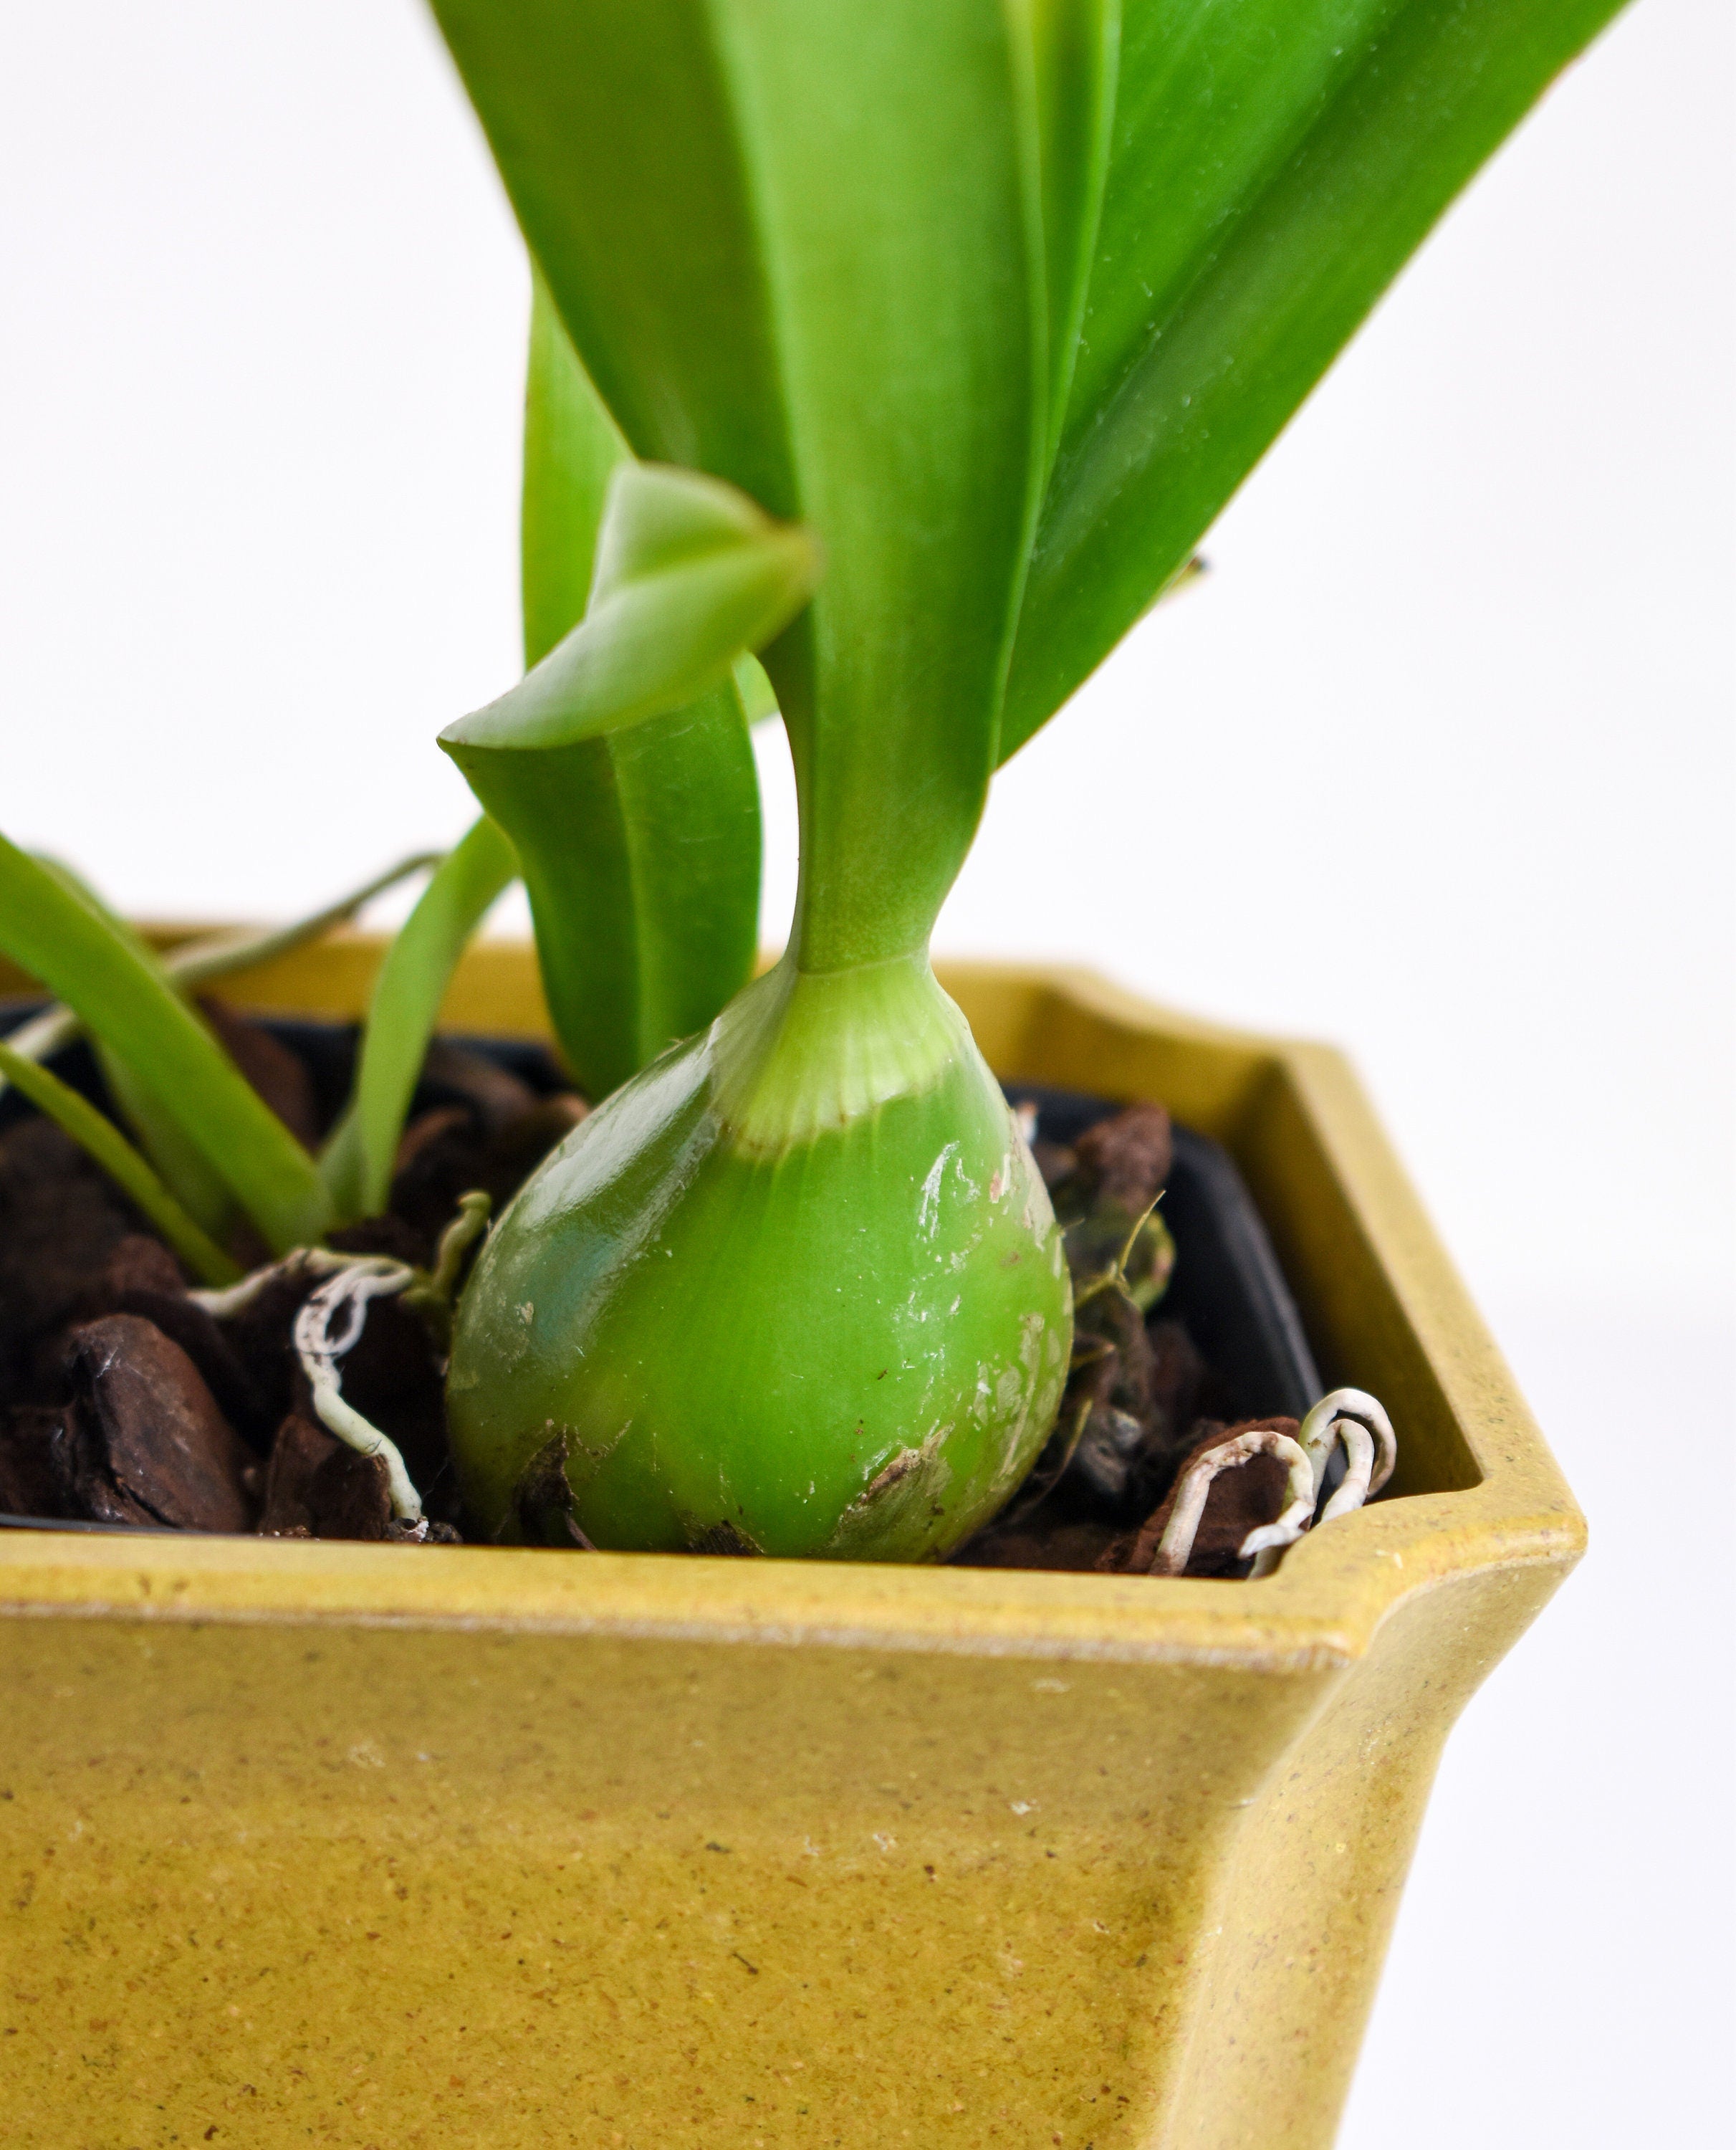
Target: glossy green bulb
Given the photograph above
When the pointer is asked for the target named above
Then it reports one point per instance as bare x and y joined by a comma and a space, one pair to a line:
796, 1288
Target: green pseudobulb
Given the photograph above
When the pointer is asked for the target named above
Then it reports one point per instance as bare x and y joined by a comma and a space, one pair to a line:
797, 1289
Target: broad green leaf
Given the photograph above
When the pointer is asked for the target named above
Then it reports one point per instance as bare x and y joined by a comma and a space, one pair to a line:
102, 1140
640, 848
62, 937
360, 1151
1075, 48
1274, 164
688, 574
797, 247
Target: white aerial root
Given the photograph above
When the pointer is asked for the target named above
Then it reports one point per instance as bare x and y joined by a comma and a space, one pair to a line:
331, 1321
1371, 1449
226, 1301
1176, 1546
1348, 1415
1360, 1421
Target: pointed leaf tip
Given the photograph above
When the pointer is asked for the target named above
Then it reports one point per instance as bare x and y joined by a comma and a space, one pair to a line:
690, 575
658, 517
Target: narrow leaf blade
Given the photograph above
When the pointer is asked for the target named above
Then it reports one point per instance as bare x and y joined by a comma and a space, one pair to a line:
418, 967
121, 996
102, 1140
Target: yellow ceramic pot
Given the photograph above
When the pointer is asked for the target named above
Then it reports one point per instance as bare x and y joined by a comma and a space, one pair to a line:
366, 1846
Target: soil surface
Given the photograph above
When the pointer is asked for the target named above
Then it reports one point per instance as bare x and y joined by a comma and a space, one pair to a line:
125, 1401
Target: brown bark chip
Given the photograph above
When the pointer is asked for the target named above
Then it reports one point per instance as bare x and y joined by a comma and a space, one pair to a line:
350, 1496
1126, 1158
60, 1219
493, 1094
145, 1441
136, 1263
300, 1447
446, 1152
240, 1397
316, 1485
29, 1483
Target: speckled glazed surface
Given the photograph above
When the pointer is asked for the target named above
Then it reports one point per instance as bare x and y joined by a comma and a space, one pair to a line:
361, 1845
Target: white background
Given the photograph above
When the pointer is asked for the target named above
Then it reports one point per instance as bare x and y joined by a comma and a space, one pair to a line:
1437, 763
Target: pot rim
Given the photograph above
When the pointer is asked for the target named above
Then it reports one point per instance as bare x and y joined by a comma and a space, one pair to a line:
1318, 1610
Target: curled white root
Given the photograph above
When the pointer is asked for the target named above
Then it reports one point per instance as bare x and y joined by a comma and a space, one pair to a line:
1360, 1421
1347, 1416
331, 1323
1176, 1546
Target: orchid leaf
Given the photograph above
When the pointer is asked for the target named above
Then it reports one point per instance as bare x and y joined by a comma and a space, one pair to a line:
688, 574
1075, 47
640, 845
190, 1179
210, 956
1274, 165
102, 1140
640, 856
120, 991
797, 247
572, 447
183, 1166
359, 1154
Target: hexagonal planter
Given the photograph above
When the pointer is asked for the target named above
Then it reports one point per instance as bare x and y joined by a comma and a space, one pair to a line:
358, 1845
